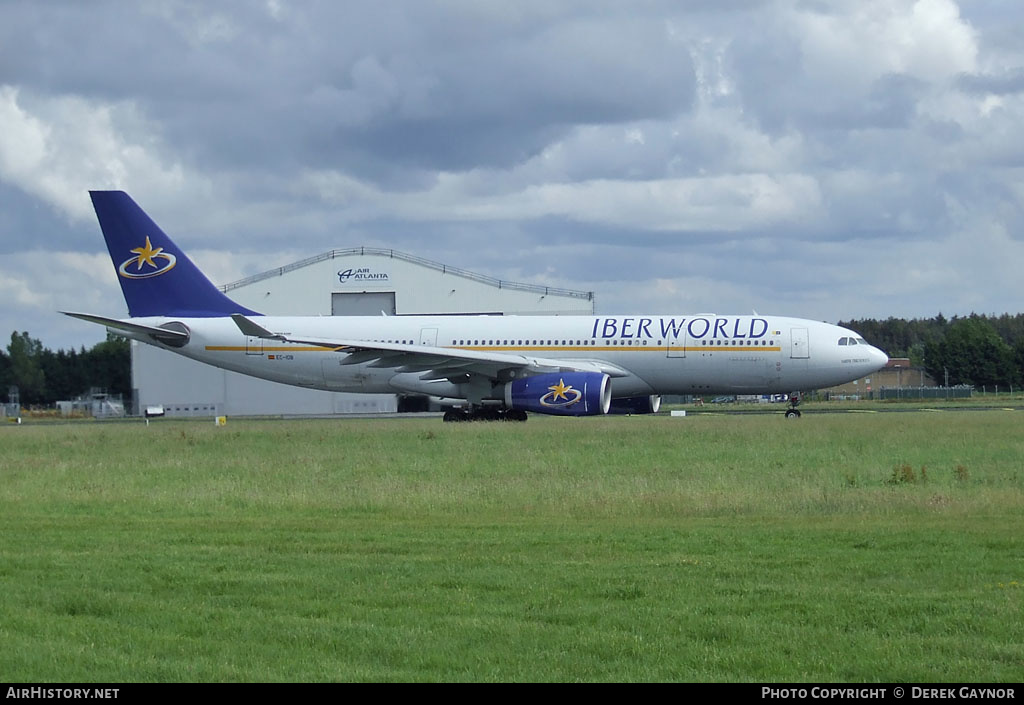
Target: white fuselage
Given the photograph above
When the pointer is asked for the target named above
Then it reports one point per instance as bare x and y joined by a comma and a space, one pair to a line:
655, 354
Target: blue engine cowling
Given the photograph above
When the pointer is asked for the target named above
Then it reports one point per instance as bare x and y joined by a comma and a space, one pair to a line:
636, 405
562, 393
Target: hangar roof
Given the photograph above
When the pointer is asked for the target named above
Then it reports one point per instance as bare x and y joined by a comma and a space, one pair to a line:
395, 254
420, 286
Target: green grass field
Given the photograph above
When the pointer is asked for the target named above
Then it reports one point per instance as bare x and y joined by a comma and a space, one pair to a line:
841, 547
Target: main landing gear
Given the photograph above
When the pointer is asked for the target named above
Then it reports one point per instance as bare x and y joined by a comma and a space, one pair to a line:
484, 413
792, 412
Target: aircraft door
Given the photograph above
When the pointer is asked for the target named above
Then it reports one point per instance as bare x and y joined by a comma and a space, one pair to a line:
428, 336
799, 343
253, 345
676, 347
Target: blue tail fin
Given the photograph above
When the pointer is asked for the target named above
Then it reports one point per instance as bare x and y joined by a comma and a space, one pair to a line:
156, 277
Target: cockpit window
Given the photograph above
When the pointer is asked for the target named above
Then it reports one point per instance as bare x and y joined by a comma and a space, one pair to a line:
862, 341
844, 341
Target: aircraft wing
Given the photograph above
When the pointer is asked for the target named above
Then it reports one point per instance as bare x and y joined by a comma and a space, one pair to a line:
433, 362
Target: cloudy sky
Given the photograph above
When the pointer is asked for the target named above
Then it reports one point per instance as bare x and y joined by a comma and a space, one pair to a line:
823, 159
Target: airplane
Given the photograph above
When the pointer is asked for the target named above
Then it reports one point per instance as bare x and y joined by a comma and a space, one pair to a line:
485, 367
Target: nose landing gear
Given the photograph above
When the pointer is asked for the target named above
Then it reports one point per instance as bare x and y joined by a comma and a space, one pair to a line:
792, 412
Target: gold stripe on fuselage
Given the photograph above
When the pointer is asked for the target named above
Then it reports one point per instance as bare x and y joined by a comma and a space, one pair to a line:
538, 349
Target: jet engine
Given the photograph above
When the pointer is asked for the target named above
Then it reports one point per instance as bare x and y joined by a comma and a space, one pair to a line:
561, 393
636, 405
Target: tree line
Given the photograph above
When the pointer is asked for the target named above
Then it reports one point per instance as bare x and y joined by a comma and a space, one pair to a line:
44, 377
978, 350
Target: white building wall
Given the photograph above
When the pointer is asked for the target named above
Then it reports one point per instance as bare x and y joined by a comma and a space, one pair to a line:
185, 387
419, 289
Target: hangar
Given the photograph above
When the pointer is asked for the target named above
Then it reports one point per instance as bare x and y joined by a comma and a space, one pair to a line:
360, 281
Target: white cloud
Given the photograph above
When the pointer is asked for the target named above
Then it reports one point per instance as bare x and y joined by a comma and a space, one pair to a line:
38, 284
857, 43
61, 147
44, 282
716, 203
721, 203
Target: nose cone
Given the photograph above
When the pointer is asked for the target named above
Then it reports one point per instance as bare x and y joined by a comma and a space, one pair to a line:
878, 358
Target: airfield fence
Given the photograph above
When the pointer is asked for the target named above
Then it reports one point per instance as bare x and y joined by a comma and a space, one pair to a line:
958, 392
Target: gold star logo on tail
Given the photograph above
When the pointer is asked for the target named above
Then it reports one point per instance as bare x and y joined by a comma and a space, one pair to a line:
147, 255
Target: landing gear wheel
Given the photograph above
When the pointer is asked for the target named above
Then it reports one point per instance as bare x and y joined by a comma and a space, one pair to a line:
453, 415
792, 412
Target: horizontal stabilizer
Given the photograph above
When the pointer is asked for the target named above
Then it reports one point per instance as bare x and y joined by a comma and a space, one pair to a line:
162, 334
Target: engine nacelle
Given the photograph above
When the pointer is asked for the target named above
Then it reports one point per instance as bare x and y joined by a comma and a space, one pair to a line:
636, 405
562, 393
